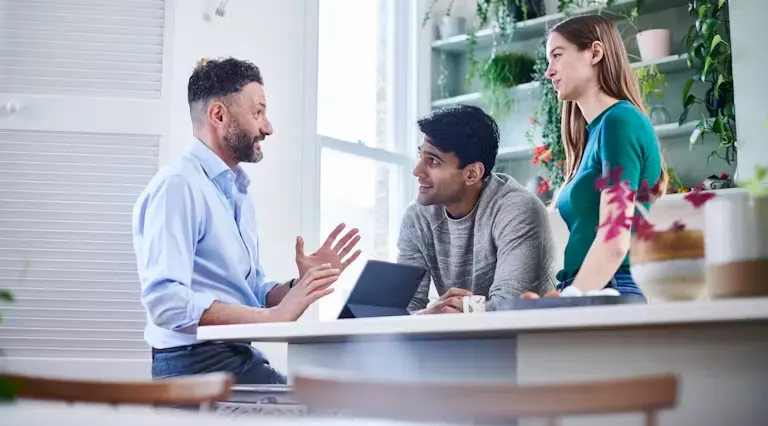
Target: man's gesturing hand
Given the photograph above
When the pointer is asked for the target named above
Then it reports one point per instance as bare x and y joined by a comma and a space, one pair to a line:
449, 303
314, 285
335, 253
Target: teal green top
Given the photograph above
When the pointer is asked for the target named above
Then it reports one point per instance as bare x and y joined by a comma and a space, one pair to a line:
622, 135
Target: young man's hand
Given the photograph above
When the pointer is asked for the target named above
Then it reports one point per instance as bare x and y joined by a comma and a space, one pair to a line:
314, 285
449, 303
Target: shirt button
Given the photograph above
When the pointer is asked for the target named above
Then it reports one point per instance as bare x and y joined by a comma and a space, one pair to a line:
231, 177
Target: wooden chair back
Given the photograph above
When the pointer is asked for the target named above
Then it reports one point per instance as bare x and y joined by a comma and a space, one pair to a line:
180, 391
486, 402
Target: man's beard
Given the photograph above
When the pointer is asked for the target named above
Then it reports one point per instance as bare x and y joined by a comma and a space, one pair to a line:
242, 145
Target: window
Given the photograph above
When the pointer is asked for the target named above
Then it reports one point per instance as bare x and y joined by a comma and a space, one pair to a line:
363, 125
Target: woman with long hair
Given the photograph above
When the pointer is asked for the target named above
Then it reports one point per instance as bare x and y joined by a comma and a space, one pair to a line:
604, 128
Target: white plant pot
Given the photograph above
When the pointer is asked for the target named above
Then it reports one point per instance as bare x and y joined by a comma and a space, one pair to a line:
671, 280
654, 44
669, 267
451, 26
737, 246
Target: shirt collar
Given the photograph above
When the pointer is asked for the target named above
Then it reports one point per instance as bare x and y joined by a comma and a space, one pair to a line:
214, 166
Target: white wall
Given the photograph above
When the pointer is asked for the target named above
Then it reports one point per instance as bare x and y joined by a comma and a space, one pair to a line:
279, 37
749, 61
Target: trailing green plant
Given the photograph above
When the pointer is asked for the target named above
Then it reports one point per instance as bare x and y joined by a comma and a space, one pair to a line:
652, 83
501, 13
504, 14
674, 179
549, 152
709, 54
502, 72
428, 14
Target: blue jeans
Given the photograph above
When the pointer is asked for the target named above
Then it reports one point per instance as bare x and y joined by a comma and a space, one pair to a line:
246, 363
621, 281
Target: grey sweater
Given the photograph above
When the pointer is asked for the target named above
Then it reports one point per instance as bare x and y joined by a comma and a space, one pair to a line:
502, 249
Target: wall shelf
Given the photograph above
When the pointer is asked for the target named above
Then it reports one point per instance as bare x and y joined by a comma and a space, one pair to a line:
514, 153
667, 65
674, 130
538, 27
476, 98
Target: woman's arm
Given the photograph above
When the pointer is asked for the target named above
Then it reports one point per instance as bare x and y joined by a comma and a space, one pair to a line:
624, 139
610, 246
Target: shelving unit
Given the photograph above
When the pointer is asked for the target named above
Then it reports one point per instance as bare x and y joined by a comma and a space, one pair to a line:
538, 27
670, 64
447, 67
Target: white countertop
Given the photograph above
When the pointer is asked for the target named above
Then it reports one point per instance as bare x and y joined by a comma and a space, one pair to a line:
497, 324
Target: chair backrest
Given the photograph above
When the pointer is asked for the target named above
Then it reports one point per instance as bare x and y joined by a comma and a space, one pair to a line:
188, 390
485, 401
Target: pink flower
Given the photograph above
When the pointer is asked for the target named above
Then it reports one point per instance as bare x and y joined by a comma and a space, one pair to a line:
543, 186
698, 197
541, 153
643, 228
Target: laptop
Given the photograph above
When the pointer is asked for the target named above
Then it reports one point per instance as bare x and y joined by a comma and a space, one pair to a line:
383, 289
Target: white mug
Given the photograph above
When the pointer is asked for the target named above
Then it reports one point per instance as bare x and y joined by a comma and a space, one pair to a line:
471, 304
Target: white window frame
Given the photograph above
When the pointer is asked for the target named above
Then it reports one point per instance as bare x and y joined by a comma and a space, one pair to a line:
402, 47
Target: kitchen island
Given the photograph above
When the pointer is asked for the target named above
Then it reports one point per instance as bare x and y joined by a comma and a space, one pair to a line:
718, 348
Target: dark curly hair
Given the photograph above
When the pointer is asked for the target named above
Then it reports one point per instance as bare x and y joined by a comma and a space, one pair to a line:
220, 78
467, 131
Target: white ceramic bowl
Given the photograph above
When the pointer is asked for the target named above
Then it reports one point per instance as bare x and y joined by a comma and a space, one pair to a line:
671, 280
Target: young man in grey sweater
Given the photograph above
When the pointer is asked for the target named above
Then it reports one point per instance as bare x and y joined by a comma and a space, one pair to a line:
474, 231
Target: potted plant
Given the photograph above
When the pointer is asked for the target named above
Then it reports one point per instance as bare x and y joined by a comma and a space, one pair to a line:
654, 43
709, 56
667, 264
652, 85
449, 25
502, 72
737, 242
502, 14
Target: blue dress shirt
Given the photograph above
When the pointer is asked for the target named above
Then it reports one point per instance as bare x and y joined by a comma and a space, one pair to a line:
194, 233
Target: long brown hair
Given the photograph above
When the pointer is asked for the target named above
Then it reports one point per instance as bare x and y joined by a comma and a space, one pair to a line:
615, 78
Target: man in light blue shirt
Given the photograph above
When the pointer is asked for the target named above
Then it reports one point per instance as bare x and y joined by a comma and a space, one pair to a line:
196, 242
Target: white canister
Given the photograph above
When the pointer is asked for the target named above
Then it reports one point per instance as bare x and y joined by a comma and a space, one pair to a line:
736, 246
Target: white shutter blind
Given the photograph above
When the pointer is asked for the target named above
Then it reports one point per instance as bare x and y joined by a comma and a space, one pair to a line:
85, 72
82, 47
65, 243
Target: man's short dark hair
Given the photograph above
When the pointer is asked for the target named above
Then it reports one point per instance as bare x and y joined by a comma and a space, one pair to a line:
466, 131
219, 78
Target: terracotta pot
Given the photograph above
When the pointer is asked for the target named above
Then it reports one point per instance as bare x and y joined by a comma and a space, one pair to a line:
670, 266
737, 246
654, 44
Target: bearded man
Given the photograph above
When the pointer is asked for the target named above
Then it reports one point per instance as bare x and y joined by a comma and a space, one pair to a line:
197, 249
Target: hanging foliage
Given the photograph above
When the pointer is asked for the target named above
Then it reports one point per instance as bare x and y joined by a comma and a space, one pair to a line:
548, 152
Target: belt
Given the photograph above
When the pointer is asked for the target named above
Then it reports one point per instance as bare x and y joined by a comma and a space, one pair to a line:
181, 348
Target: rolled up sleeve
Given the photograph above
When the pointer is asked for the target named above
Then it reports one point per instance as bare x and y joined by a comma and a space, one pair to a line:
165, 238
